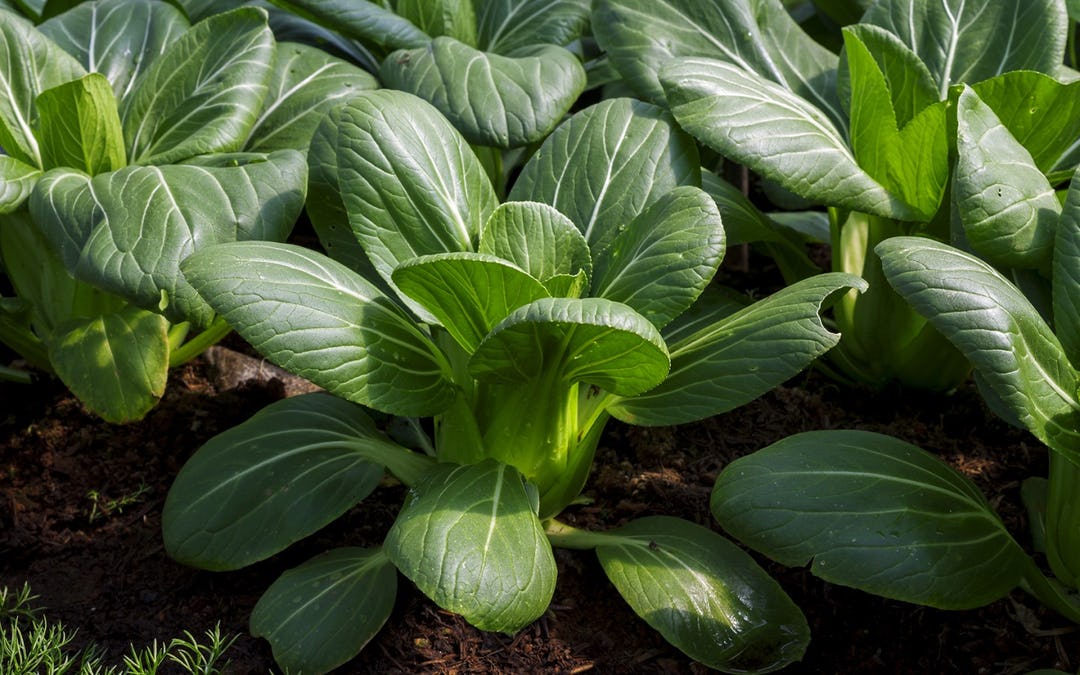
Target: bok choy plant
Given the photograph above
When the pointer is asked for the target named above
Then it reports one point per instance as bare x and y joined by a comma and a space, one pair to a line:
131, 139
879, 514
866, 134
519, 328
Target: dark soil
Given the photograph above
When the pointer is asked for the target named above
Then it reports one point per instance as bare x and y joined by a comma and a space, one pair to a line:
80, 507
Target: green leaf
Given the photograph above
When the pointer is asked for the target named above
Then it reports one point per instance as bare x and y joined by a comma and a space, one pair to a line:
873, 512
337, 330
911, 162
740, 357
1066, 277
116, 363
305, 84
1041, 113
361, 20
128, 230
538, 239
79, 126
286, 472
469, 293
204, 93
504, 26
910, 86
705, 595
1008, 209
324, 205
590, 340
607, 164
320, 614
17, 180
757, 36
775, 133
665, 258
494, 100
973, 40
410, 183
469, 538
118, 38
29, 64
1016, 355
452, 18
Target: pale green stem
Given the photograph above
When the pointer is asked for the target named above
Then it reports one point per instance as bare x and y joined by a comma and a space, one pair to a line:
200, 343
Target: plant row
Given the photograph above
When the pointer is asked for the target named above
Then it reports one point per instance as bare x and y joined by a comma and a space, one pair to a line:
521, 206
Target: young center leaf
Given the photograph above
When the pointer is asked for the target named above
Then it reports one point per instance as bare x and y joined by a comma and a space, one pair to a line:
286, 472
469, 293
538, 239
1014, 353
469, 538
344, 334
80, 126
495, 100
320, 614
873, 512
704, 594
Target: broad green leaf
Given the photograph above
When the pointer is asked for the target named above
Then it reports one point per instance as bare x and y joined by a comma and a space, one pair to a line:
324, 205
911, 87
409, 182
1041, 113
361, 20
607, 164
320, 614
665, 257
118, 38
469, 538
705, 595
204, 93
911, 162
29, 64
536, 238
255, 489
1016, 355
1066, 277
504, 26
756, 36
305, 84
973, 40
873, 512
17, 179
336, 329
116, 363
469, 293
1008, 209
740, 357
80, 126
591, 340
128, 230
452, 18
494, 100
775, 133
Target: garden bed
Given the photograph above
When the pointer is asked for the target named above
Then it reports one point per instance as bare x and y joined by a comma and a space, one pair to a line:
82, 503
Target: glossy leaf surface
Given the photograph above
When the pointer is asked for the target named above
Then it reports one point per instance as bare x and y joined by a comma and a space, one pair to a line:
469, 538
80, 126
536, 238
873, 512
283, 474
